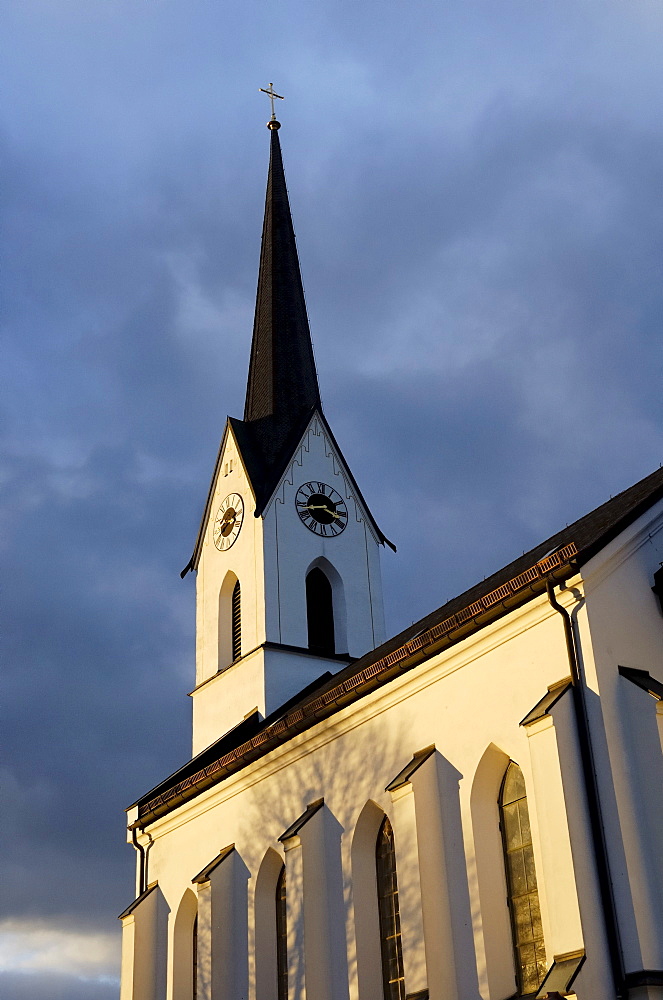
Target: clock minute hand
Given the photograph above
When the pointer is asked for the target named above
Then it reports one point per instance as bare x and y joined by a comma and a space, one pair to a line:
322, 506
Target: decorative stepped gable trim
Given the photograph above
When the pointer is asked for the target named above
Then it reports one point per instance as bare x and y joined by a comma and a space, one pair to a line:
282, 392
230, 429
339, 459
266, 482
508, 588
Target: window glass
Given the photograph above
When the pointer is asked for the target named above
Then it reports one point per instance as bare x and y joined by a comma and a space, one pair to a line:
523, 894
393, 978
281, 939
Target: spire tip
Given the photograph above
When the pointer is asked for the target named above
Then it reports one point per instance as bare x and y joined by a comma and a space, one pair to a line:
273, 125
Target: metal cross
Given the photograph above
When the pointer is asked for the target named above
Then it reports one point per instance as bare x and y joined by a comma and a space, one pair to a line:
271, 93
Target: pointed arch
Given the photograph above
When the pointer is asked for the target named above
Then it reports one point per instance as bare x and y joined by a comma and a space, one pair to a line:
185, 948
365, 901
523, 894
281, 908
326, 607
236, 622
266, 932
496, 967
393, 974
229, 621
320, 613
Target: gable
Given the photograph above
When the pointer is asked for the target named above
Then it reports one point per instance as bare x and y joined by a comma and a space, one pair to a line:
266, 478
230, 469
553, 559
318, 438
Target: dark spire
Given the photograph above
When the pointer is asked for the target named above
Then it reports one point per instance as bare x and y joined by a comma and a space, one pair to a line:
282, 387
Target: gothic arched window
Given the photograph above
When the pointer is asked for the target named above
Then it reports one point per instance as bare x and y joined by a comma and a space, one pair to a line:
236, 622
281, 939
320, 613
523, 895
393, 977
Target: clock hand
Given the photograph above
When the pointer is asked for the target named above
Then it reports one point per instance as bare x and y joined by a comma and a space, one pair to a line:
322, 506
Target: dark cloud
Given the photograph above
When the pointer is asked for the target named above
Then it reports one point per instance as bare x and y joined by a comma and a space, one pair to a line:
476, 192
27, 986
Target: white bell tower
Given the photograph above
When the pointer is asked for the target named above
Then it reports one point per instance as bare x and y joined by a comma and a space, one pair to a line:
287, 556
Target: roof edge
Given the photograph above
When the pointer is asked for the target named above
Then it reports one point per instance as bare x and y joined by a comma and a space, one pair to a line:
195, 556
317, 411
470, 620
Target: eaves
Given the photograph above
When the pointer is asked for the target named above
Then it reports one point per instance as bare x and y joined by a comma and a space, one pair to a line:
445, 634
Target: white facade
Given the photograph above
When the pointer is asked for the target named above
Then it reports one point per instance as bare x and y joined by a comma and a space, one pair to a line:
472, 810
467, 701
271, 557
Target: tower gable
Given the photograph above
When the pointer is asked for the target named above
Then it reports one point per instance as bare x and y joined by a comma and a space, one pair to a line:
347, 550
318, 440
272, 568
221, 562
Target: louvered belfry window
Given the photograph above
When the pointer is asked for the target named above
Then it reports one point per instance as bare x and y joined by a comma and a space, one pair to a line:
393, 977
281, 939
523, 895
237, 622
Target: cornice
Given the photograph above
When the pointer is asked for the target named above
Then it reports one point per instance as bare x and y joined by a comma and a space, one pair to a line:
620, 549
352, 716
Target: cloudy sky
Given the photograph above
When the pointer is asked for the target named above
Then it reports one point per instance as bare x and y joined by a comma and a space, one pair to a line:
476, 190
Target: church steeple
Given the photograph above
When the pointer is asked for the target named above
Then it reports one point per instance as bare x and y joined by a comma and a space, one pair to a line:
287, 554
282, 388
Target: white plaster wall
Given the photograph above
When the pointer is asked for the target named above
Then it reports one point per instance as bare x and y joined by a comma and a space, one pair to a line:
464, 700
270, 558
243, 559
144, 955
290, 549
226, 698
264, 679
620, 623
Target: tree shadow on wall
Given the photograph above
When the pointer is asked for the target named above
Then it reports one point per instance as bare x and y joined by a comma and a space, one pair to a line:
350, 771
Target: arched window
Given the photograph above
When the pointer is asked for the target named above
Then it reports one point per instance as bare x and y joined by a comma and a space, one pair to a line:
185, 947
393, 977
320, 613
281, 939
236, 622
523, 896
194, 960
229, 621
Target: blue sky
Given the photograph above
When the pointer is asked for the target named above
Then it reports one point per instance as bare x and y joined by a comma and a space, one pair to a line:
476, 191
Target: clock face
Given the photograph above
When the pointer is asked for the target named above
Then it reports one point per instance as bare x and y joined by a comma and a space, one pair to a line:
228, 521
321, 509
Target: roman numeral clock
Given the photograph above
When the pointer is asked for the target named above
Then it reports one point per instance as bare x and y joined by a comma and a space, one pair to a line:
228, 521
321, 509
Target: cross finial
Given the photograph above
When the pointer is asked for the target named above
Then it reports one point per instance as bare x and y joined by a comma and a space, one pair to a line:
271, 93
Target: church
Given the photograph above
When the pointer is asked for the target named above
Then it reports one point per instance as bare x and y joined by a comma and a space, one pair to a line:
469, 810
